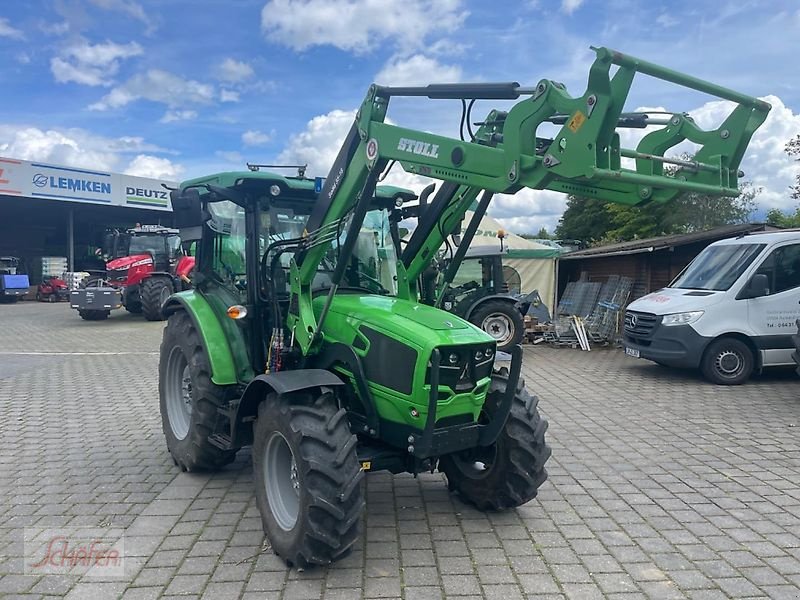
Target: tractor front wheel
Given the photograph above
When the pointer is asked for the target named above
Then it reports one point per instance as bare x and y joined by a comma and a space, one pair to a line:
501, 320
154, 292
134, 307
509, 472
307, 477
188, 399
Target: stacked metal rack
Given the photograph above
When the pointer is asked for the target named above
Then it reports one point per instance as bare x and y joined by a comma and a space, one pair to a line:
590, 313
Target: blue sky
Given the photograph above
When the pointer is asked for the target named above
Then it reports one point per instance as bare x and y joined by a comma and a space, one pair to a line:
181, 88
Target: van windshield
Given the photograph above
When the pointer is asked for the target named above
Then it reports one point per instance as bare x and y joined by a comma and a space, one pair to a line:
718, 267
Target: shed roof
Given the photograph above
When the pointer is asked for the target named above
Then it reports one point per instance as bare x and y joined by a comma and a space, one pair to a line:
666, 242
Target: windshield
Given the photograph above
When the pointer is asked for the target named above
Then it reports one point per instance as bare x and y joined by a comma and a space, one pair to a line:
148, 244
718, 267
373, 264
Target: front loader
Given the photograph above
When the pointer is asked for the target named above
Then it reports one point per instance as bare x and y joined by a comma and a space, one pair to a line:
311, 335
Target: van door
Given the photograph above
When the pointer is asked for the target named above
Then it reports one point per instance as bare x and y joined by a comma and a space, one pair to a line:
772, 317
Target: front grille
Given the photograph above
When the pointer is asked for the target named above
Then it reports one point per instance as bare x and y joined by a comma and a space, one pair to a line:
118, 276
465, 374
640, 324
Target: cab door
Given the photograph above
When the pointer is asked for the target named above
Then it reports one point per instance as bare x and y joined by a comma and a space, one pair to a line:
772, 317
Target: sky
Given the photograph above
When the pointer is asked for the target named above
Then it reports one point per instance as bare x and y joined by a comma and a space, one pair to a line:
185, 88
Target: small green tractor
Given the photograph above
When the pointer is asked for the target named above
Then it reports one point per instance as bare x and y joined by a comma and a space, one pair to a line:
310, 336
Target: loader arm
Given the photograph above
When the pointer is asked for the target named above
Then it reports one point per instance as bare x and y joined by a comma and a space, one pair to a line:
584, 157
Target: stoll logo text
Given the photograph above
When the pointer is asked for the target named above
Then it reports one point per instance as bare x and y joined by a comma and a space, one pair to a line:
71, 184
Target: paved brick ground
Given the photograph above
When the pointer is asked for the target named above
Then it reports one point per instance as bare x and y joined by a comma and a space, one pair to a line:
661, 486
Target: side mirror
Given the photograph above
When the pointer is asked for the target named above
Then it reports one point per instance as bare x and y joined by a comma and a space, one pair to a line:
188, 210
758, 286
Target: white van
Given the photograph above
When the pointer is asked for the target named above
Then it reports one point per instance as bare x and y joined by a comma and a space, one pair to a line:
731, 311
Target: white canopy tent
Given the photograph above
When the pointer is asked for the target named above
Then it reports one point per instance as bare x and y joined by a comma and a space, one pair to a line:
534, 262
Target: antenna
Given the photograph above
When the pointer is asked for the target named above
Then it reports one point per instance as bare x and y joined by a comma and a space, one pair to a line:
301, 169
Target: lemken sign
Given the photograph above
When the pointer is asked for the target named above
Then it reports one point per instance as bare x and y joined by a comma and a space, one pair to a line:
39, 180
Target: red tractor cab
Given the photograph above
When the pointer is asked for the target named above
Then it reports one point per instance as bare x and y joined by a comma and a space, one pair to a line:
145, 266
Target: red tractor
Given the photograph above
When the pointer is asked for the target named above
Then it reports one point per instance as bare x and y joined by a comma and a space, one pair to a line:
145, 266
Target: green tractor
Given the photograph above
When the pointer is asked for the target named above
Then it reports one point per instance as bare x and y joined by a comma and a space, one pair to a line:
310, 337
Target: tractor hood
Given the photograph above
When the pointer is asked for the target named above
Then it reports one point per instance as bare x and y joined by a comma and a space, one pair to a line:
418, 323
126, 262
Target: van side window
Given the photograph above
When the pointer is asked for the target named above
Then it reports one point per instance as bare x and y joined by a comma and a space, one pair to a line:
782, 268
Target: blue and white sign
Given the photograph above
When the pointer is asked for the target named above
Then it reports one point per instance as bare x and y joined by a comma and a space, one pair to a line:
41, 180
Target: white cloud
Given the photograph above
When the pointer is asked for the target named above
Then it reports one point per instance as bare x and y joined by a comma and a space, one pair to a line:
253, 137
666, 20
130, 8
157, 86
71, 147
570, 6
88, 64
417, 70
228, 96
144, 165
234, 71
528, 210
318, 145
178, 115
6, 30
358, 25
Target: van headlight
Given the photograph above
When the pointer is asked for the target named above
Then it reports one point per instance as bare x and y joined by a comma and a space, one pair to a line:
684, 318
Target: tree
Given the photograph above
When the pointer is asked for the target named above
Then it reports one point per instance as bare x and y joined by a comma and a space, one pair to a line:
595, 221
793, 149
585, 219
778, 218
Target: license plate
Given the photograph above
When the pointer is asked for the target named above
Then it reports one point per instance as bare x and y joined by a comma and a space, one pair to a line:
632, 352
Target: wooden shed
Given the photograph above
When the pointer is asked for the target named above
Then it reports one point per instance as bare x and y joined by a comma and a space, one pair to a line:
652, 263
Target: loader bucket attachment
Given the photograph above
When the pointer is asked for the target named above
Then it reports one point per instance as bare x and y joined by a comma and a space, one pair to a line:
585, 157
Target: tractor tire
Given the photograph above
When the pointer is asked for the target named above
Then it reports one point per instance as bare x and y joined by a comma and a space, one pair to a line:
94, 315
188, 400
307, 478
133, 307
727, 361
501, 320
508, 473
154, 293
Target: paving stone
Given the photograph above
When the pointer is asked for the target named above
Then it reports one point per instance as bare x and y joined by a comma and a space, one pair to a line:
657, 488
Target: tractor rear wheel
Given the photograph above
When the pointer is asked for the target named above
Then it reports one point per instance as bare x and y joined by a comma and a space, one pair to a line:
509, 472
94, 315
307, 477
188, 399
154, 292
501, 320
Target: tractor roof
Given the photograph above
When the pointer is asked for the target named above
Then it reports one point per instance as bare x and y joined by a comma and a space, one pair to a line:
232, 178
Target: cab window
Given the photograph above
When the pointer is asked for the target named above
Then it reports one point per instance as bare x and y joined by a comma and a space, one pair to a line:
782, 268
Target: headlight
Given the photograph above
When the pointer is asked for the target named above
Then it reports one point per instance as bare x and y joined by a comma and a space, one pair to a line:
453, 358
478, 355
684, 318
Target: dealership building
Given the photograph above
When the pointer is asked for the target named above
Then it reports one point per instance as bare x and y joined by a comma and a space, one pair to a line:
55, 210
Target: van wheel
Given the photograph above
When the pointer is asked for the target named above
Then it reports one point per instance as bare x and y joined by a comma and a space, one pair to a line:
728, 361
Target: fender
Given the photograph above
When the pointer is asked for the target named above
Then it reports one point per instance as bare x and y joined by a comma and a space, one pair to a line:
282, 382
477, 303
220, 357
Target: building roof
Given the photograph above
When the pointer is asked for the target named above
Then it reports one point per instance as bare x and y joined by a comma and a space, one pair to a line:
666, 242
